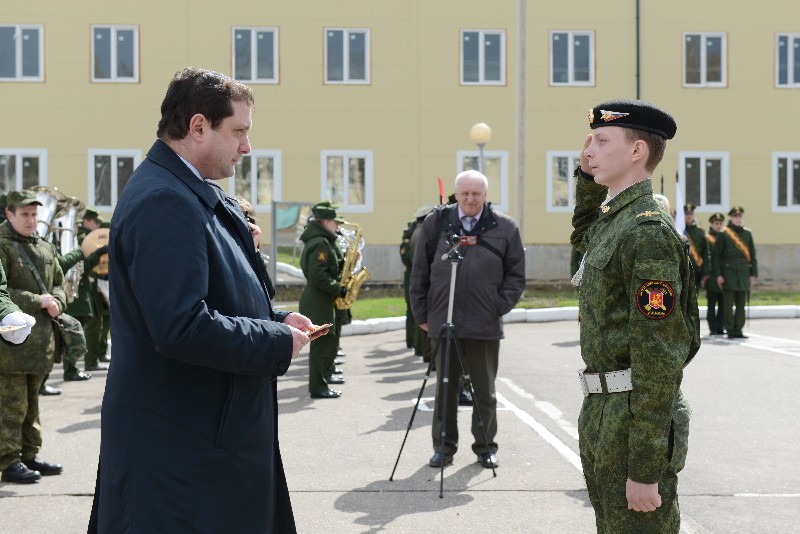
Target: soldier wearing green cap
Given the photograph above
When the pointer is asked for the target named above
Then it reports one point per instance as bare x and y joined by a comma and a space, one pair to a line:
35, 283
639, 323
321, 262
698, 246
715, 316
735, 267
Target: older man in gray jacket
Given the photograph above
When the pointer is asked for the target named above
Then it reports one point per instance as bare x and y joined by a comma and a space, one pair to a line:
489, 283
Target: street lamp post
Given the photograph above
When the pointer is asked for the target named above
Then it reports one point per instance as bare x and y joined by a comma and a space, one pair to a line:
480, 134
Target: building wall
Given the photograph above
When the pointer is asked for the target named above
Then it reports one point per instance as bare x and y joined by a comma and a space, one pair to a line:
414, 115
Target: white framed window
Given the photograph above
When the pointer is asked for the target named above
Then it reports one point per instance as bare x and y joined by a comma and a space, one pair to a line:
21, 52
115, 53
705, 178
258, 179
560, 182
704, 59
347, 179
347, 55
787, 57
786, 182
255, 55
22, 168
571, 58
109, 172
483, 57
495, 163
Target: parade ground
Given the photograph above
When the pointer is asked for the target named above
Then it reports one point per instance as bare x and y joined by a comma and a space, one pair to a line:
742, 474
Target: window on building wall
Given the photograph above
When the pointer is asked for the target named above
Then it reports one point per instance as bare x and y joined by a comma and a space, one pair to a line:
347, 179
787, 70
22, 52
572, 58
115, 54
704, 59
483, 57
22, 168
109, 172
786, 181
560, 182
258, 178
704, 178
255, 55
346, 55
495, 164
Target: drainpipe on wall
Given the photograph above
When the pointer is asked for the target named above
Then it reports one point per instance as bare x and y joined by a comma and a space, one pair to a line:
522, 25
638, 69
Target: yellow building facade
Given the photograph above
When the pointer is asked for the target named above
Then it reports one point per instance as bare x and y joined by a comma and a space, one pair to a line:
368, 102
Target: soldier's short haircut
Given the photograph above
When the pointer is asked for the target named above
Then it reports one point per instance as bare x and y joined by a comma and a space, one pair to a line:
194, 90
655, 143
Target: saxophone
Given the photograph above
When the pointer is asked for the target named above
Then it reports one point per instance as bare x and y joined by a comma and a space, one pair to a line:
353, 274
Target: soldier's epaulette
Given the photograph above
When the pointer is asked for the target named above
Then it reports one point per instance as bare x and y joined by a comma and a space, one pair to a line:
648, 216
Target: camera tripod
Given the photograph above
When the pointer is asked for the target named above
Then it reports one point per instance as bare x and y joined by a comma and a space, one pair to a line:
448, 333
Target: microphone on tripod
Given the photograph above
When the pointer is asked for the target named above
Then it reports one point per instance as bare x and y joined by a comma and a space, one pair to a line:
454, 241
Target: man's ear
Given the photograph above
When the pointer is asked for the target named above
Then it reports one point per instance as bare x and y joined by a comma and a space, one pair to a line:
640, 151
197, 125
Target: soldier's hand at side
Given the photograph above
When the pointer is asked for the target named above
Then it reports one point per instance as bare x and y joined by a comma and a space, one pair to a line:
50, 304
424, 326
299, 340
752, 281
720, 281
642, 497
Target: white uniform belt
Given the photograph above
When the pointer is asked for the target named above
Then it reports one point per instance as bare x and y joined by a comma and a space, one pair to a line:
615, 382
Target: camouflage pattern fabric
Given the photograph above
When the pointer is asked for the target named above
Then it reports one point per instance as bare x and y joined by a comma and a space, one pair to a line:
20, 431
73, 342
638, 310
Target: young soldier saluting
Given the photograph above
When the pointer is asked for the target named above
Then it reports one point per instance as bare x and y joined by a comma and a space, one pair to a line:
639, 323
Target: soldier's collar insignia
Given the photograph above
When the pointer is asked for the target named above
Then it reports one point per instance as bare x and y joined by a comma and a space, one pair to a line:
606, 208
647, 214
655, 299
608, 116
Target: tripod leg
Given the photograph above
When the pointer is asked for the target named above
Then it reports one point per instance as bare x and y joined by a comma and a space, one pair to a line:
445, 377
475, 403
414, 412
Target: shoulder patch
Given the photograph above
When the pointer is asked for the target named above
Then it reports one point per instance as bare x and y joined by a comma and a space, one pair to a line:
322, 257
655, 299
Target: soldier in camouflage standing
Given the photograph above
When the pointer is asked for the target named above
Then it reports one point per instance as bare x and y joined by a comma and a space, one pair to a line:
736, 269
90, 306
35, 285
716, 312
639, 323
698, 247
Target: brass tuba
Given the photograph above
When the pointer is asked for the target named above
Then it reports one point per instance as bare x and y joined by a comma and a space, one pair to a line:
58, 217
353, 274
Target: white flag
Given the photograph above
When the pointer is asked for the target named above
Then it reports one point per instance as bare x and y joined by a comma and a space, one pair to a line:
680, 220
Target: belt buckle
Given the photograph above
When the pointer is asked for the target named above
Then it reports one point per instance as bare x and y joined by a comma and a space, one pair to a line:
584, 385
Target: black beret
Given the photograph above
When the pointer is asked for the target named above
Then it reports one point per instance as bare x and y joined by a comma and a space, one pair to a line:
689, 208
716, 217
633, 114
736, 210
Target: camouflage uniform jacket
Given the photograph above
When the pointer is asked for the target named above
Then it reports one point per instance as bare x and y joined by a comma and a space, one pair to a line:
36, 357
731, 263
638, 310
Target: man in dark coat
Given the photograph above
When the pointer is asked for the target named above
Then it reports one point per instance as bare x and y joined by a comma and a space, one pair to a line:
189, 435
490, 282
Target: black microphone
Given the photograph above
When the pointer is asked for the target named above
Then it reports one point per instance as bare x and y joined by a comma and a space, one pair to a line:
454, 240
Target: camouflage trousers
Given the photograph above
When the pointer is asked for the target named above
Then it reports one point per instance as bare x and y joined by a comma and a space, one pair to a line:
20, 431
95, 328
603, 429
73, 342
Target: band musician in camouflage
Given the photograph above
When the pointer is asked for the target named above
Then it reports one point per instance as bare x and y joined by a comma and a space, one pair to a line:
639, 323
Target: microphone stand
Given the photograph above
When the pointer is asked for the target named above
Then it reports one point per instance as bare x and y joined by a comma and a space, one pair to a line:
453, 257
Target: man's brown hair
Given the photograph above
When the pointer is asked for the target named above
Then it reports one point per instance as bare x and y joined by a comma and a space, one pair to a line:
656, 144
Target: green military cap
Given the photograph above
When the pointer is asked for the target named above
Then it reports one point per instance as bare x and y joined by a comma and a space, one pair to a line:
736, 210
688, 209
716, 217
92, 215
635, 114
325, 209
26, 197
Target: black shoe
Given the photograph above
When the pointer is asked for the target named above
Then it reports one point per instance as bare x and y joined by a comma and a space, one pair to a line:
19, 474
49, 390
338, 361
97, 367
77, 376
488, 460
737, 336
464, 397
337, 371
46, 469
327, 394
334, 379
717, 333
436, 460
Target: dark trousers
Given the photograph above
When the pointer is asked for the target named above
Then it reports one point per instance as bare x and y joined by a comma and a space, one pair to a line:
320, 361
716, 313
481, 360
734, 322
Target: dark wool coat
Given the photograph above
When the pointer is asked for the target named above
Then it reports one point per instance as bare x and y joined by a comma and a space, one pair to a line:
189, 437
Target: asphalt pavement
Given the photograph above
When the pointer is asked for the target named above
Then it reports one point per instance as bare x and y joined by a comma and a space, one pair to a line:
741, 476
